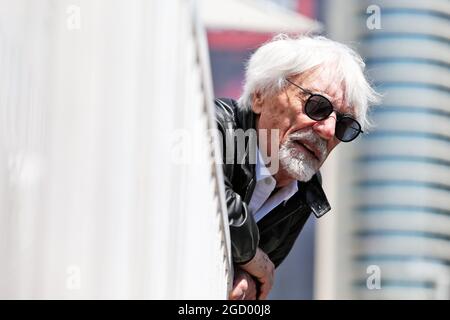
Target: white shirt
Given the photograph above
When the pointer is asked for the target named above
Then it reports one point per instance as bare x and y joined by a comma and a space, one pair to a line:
260, 203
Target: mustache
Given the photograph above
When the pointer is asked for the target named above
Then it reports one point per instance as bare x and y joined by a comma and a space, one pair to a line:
312, 141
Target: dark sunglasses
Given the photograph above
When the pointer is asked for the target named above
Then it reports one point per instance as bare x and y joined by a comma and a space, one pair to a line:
318, 108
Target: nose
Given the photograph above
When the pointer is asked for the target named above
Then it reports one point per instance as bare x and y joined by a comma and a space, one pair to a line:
326, 127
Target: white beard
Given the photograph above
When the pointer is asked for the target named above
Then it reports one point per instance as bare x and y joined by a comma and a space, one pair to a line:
301, 165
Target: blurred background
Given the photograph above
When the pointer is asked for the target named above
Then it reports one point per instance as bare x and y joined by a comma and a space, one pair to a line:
109, 184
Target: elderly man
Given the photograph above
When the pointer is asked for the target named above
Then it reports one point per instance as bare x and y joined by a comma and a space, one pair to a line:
312, 93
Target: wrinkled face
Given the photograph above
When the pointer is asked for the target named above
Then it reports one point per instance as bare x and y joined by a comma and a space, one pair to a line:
304, 143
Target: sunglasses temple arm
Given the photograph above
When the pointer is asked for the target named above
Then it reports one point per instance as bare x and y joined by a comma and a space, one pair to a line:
304, 90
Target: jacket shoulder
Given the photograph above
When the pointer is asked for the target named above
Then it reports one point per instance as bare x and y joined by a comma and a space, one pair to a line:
225, 110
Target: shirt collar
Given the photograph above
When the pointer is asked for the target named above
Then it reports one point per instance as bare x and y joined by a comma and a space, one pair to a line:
263, 173
261, 170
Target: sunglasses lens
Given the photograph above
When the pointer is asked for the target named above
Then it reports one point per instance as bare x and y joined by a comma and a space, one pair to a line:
318, 107
347, 129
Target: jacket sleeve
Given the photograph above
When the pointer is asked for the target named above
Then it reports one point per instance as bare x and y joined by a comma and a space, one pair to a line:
244, 232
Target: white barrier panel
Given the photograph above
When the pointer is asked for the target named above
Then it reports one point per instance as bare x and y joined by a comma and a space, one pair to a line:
93, 96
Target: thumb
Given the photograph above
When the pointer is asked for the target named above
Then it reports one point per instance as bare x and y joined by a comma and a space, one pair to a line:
239, 289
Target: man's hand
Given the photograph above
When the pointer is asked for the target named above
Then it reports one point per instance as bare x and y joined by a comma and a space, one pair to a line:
244, 286
261, 268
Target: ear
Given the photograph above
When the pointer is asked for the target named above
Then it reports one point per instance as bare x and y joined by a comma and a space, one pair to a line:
257, 102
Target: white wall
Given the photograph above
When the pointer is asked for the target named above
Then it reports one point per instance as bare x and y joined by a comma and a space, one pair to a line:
92, 205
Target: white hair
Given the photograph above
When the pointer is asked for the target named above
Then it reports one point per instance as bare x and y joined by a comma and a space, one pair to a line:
283, 56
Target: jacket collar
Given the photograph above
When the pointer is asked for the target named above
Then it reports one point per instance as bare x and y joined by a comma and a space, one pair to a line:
315, 196
246, 120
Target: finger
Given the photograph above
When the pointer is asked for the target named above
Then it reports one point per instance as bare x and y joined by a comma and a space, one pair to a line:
236, 293
250, 294
239, 289
243, 284
264, 291
238, 278
252, 291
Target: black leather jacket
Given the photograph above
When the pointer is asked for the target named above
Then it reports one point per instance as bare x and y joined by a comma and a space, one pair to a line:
276, 232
